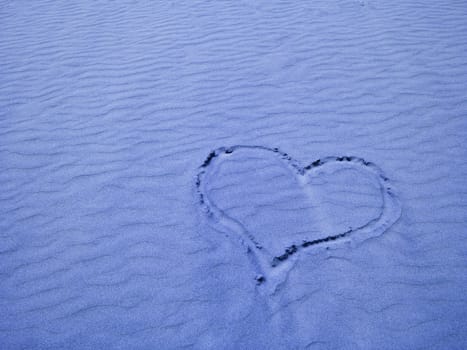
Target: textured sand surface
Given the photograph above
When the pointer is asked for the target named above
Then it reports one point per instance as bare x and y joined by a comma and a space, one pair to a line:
107, 112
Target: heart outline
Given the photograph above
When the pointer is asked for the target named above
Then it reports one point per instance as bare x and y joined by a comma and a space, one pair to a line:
278, 266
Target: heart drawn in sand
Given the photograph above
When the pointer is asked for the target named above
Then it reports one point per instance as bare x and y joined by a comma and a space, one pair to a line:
277, 208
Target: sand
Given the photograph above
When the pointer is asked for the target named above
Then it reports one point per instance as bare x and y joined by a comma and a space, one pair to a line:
109, 112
